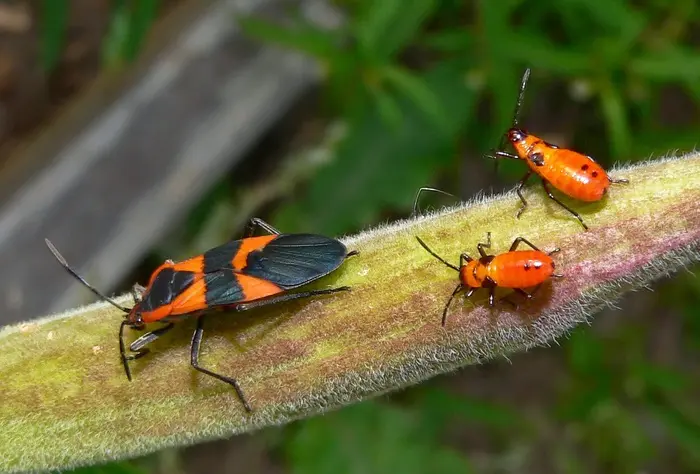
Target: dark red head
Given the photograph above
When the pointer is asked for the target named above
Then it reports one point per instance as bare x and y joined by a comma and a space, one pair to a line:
516, 135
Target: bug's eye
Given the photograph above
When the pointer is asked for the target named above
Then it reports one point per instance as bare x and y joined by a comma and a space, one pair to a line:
516, 135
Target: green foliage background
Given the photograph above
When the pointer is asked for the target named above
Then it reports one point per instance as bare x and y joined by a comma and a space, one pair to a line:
424, 89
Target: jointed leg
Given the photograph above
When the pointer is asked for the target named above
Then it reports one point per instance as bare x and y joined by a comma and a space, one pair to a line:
423, 189
519, 191
480, 247
619, 180
551, 196
464, 259
503, 154
256, 222
523, 240
194, 360
138, 344
287, 297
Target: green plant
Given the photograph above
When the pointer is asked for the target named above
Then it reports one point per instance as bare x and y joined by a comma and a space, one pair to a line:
307, 359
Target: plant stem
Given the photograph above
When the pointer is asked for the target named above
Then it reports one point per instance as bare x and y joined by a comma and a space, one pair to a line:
66, 401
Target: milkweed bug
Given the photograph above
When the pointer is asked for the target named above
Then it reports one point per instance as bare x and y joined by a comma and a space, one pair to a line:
236, 276
574, 174
516, 269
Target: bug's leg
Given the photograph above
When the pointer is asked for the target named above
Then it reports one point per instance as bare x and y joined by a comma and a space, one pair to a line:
480, 246
256, 222
138, 344
122, 349
194, 361
551, 196
287, 297
523, 240
619, 180
421, 191
502, 154
492, 296
464, 259
137, 292
447, 306
527, 295
352, 253
519, 191
506, 299
137, 347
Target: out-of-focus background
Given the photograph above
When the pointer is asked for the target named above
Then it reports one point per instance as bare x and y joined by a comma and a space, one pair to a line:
135, 131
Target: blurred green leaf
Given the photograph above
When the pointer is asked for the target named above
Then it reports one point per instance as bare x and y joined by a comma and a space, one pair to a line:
441, 406
301, 37
418, 91
388, 107
586, 354
544, 54
680, 426
117, 35
676, 64
376, 166
656, 377
54, 18
616, 121
384, 28
130, 24
369, 438
449, 41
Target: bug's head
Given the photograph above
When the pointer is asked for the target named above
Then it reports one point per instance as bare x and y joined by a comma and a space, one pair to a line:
516, 135
134, 319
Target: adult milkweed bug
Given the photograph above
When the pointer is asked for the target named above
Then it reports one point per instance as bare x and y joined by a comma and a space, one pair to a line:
516, 269
237, 276
574, 174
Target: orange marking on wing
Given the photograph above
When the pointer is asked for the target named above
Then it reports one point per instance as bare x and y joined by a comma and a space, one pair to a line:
157, 314
256, 288
194, 265
249, 245
194, 298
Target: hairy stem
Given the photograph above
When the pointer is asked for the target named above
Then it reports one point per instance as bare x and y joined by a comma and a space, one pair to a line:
66, 401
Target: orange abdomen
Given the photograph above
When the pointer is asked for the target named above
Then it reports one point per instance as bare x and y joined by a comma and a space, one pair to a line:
574, 174
521, 268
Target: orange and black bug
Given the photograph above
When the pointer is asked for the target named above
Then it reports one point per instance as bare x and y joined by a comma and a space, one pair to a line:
574, 174
516, 269
237, 276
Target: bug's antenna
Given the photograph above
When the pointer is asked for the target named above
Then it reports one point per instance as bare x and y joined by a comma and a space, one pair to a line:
65, 265
447, 306
436, 255
521, 95
516, 118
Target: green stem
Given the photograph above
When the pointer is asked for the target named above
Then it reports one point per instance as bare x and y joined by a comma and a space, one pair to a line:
66, 402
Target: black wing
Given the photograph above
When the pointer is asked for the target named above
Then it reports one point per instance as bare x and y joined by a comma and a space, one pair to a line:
292, 260
222, 288
166, 286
